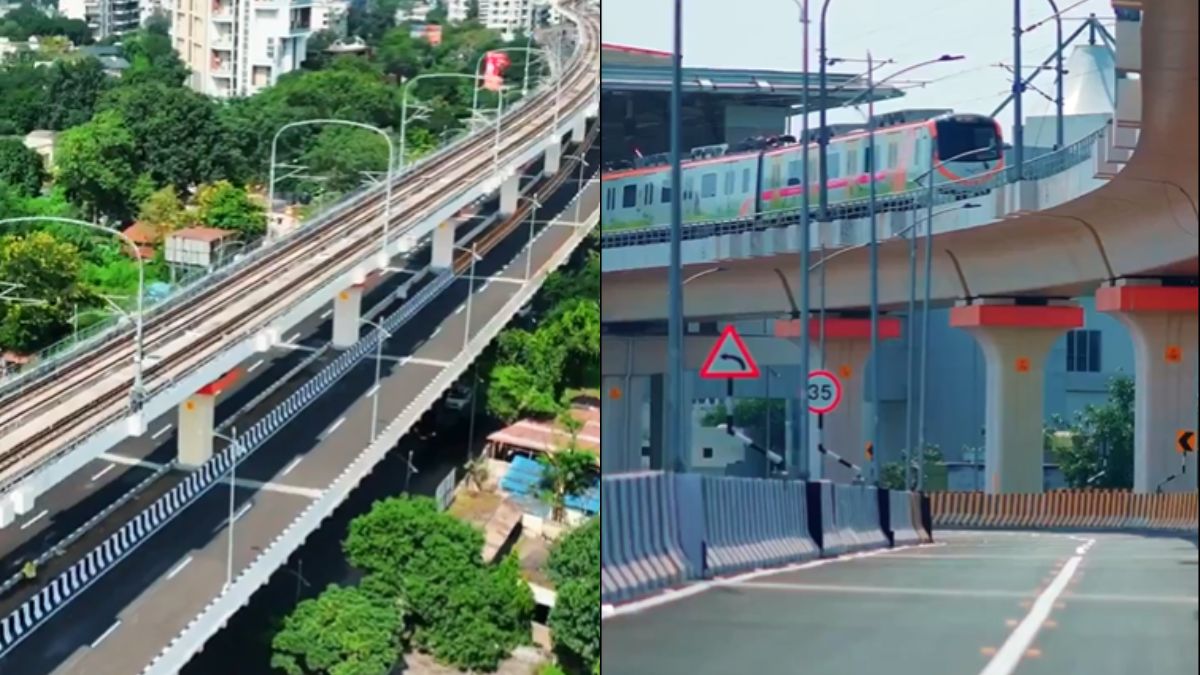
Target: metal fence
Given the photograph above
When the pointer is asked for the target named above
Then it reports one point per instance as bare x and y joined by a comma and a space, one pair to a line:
1043, 166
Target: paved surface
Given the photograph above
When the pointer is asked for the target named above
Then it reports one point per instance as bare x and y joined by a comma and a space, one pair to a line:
1128, 608
119, 624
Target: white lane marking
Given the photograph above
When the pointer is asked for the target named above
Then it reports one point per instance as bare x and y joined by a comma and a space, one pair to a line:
130, 461
179, 568
36, 518
161, 431
609, 611
291, 465
332, 427
310, 493
881, 590
460, 308
1006, 659
435, 332
256, 365
293, 337
508, 280
485, 285
424, 362
326, 314
106, 633
242, 511
371, 392
103, 471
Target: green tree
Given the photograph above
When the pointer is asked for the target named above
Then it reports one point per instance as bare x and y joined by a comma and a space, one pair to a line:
1100, 453
751, 415
152, 58
568, 472
514, 391
577, 555
73, 90
21, 167
198, 151
400, 54
344, 631
345, 155
229, 207
95, 163
575, 325
485, 619
162, 210
25, 102
47, 272
575, 623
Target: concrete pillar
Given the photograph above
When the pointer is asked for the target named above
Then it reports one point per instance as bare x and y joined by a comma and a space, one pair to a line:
621, 431
509, 191
196, 417
578, 129
657, 421
347, 313
553, 159
443, 246
847, 347
1162, 322
1015, 340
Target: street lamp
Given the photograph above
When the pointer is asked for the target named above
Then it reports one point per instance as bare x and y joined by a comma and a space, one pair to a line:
234, 451
532, 218
674, 402
404, 104
138, 391
470, 292
805, 244
583, 163
387, 206
378, 361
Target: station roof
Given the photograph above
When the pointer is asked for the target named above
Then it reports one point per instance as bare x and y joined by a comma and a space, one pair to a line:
630, 69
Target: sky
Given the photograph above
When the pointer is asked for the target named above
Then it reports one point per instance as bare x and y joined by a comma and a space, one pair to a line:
767, 34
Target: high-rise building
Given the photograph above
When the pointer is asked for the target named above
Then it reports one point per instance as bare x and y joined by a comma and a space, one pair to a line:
104, 17
238, 47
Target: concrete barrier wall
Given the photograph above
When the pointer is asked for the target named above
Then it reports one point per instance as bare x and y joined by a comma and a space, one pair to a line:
1080, 509
856, 517
640, 548
753, 523
904, 529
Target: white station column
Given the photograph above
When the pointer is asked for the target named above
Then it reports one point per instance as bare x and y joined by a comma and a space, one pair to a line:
578, 129
621, 433
509, 191
1162, 322
197, 415
443, 246
1015, 340
347, 315
847, 348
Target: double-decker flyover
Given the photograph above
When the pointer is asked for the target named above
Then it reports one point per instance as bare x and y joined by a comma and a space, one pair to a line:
59, 423
1127, 236
169, 596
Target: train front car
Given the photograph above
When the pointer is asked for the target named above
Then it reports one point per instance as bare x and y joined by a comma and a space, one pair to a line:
970, 152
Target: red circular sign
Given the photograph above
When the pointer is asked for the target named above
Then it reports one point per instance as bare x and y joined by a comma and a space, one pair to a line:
824, 392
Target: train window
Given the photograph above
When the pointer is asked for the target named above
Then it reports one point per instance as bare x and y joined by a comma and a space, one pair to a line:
793, 171
975, 140
851, 162
687, 188
666, 193
610, 199
868, 165
893, 159
834, 165
730, 182
708, 185
745, 180
629, 196
647, 194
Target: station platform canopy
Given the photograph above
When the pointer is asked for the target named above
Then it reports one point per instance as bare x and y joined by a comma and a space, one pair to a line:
633, 69
720, 105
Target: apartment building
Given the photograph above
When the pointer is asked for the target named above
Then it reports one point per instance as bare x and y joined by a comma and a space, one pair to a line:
239, 47
104, 17
506, 16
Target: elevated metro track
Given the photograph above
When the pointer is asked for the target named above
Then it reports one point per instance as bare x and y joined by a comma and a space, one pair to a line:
1143, 222
61, 421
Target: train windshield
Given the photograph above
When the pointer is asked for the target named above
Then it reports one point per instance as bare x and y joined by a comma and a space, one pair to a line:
972, 139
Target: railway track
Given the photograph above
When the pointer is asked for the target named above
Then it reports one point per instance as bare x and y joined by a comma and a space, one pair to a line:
185, 335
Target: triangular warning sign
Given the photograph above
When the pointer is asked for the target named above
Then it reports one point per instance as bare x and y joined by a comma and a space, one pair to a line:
729, 359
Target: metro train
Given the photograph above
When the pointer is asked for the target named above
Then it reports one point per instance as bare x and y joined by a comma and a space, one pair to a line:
721, 183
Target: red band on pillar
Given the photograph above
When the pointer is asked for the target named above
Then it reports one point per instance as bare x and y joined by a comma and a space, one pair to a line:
1016, 316
1147, 299
221, 383
840, 328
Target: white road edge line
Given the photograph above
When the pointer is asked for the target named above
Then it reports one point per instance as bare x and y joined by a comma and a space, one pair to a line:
103, 471
291, 465
370, 392
332, 427
1008, 657
256, 365
460, 309
293, 337
36, 518
106, 633
326, 314
179, 568
161, 431
610, 611
242, 511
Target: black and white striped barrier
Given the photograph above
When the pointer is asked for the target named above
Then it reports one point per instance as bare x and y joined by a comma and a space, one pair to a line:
62, 589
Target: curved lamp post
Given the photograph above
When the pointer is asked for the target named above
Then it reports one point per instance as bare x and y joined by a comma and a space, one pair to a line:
383, 335
404, 103
138, 390
387, 206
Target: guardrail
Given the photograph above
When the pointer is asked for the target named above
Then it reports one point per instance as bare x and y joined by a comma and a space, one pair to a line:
1039, 167
219, 610
51, 358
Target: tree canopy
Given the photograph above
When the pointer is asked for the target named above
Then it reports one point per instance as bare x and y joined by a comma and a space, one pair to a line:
344, 631
20, 167
575, 620
1099, 448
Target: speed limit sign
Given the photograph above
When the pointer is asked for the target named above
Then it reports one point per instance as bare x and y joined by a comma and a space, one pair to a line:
824, 392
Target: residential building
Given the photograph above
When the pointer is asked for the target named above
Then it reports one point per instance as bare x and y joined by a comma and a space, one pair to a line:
330, 15
418, 12
506, 16
238, 47
105, 17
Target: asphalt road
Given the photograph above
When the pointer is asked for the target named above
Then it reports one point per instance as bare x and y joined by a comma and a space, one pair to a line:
116, 626
1129, 607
